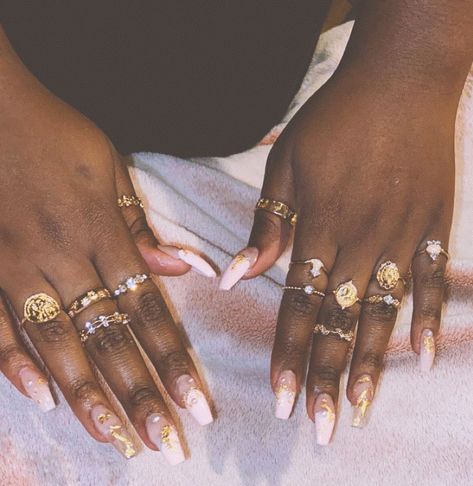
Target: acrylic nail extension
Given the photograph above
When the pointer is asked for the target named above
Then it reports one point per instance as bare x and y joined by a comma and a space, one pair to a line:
427, 350
191, 258
165, 437
324, 418
111, 427
37, 389
363, 391
238, 267
285, 394
194, 400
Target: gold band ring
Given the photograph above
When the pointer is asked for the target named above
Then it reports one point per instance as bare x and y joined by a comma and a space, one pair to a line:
308, 289
386, 299
434, 250
346, 294
40, 308
91, 326
344, 335
86, 300
128, 201
130, 283
278, 208
316, 266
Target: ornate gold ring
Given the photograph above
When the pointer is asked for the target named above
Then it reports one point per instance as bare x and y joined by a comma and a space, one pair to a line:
40, 308
278, 208
325, 331
86, 300
346, 294
128, 201
386, 299
91, 326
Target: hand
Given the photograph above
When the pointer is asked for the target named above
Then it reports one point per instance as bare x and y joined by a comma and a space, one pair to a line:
63, 234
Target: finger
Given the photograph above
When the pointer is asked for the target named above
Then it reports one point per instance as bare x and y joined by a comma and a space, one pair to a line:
165, 260
153, 325
429, 287
270, 233
18, 367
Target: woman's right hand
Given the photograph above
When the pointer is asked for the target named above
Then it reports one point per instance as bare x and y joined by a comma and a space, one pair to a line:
63, 234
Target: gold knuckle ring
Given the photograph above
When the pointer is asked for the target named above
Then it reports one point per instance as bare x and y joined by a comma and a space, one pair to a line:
434, 249
308, 289
388, 299
130, 283
86, 300
102, 321
325, 331
40, 308
346, 294
278, 208
128, 201
316, 266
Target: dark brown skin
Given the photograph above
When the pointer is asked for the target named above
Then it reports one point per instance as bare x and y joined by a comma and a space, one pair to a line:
368, 163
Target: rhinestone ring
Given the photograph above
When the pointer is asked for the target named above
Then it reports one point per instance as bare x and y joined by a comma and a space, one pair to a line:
130, 283
102, 321
344, 335
86, 300
434, 250
128, 201
40, 308
316, 266
386, 299
278, 208
308, 289
346, 294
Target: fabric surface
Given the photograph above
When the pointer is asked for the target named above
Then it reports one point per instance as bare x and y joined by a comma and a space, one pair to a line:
421, 427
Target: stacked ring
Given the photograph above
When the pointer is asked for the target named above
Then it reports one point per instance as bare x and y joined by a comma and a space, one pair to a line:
86, 300
278, 208
128, 201
102, 321
386, 299
316, 266
308, 289
434, 250
130, 283
325, 331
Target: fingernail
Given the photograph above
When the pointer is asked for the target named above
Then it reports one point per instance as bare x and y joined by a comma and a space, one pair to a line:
427, 350
238, 267
110, 426
165, 437
37, 389
285, 394
194, 400
324, 418
191, 258
363, 391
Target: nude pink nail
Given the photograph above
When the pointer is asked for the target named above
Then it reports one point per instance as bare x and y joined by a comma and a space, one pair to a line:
191, 258
427, 350
324, 418
37, 389
285, 394
164, 436
194, 400
238, 267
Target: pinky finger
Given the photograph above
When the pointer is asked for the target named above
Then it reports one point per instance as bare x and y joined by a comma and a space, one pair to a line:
17, 365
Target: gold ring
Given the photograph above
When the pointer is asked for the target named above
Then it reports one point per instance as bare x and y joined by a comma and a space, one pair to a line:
388, 275
308, 289
434, 250
128, 201
316, 266
86, 300
91, 326
278, 208
386, 299
346, 294
40, 308
345, 335
130, 283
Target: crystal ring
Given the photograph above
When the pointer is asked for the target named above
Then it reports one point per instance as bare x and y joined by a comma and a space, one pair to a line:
346, 294
325, 331
278, 208
307, 289
91, 326
87, 299
316, 266
434, 250
130, 283
40, 308
385, 299
128, 201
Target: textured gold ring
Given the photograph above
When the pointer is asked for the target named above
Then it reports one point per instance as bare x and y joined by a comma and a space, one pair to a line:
128, 201
325, 331
40, 308
316, 266
388, 299
346, 294
86, 300
91, 326
278, 208
308, 289
434, 250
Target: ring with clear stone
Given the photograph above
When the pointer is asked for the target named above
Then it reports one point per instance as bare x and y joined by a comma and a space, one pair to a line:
86, 300
316, 266
385, 299
91, 326
434, 249
307, 289
130, 283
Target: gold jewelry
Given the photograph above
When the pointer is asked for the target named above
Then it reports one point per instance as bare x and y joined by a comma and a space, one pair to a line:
316, 266
128, 201
40, 308
308, 289
346, 294
434, 249
86, 300
102, 321
346, 336
388, 275
278, 208
386, 299
130, 283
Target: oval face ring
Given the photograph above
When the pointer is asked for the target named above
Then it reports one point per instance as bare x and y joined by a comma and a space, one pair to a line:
346, 294
40, 308
388, 275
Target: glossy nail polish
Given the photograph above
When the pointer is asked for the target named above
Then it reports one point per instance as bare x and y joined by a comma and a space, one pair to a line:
324, 412
191, 258
427, 350
37, 389
238, 267
194, 400
363, 391
285, 394
111, 427
165, 437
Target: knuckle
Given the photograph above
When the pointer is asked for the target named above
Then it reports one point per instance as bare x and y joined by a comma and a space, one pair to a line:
112, 340
175, 361
380, 312
342, 318
152, 309
372, 359
139, 227
84, 390
300, 304
9, 353
142, 395
265, 226
55, 332
327, 375
430, 311
433, 280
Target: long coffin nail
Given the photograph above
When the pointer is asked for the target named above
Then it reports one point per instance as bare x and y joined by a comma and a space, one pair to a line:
191, 258
37, 389
165, 437
110, 426
238, 267
285, 394
363, 391
427, 350
324, 418
194, 400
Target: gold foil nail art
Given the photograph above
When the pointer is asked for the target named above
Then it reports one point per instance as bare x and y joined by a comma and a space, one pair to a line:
166, 432
429, 343
103, 417
325, 406
123, 442
239, 259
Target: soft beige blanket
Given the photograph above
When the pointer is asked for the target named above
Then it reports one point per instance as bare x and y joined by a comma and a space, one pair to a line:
421, 428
